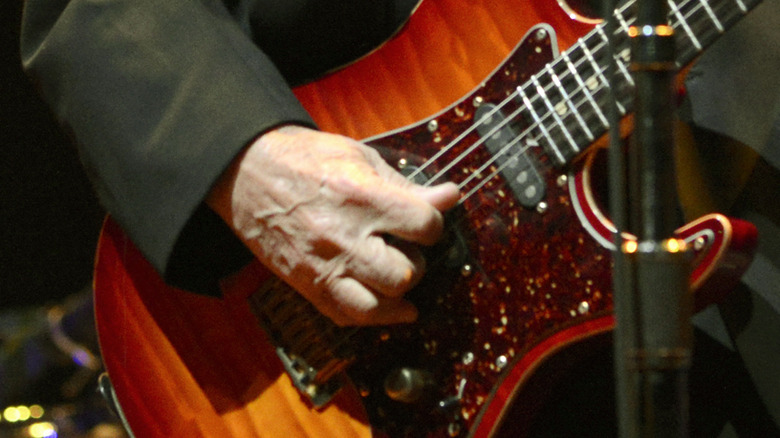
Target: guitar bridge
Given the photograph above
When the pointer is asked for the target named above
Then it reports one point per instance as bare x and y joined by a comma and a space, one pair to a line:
312, 349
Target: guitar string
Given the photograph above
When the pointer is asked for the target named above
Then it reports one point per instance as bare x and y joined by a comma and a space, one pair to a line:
550, 69
583, 102
536, 97
347, 334
471, 129
506, 149
586, 100
578, 98
533, 99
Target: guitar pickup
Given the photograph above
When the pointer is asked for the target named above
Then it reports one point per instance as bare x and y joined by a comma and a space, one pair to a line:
516, 166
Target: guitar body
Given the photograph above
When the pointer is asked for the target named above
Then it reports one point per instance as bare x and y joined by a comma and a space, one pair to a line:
512, 286
189, 365
446, 50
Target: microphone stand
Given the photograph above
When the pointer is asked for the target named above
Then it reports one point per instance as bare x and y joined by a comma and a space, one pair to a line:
652, 298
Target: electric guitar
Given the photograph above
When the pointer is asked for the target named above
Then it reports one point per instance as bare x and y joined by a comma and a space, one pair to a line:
522, 276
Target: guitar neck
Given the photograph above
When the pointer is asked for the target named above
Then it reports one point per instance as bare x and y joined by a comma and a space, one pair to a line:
567, 100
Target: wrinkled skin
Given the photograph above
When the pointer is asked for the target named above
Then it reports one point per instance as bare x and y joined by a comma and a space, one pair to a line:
315, 208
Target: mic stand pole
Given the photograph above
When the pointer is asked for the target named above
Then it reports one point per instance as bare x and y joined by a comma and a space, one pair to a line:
653, 334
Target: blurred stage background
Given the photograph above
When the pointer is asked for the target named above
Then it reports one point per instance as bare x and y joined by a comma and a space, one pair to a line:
49, 222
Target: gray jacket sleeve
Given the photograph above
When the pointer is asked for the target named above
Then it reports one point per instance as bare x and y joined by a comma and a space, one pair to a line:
159, 96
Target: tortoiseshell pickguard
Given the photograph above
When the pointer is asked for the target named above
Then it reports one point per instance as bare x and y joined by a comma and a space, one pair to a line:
521, 275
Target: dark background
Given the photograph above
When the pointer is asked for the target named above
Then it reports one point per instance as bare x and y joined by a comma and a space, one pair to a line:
49, 217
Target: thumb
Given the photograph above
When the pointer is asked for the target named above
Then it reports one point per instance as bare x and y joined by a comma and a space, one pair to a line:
441, 196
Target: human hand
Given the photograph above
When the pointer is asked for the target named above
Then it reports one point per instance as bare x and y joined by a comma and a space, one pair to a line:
314, 207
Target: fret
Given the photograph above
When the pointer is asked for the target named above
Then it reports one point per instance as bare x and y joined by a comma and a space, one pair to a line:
587, 102
590, 116
700, 13
726, 12
622, 21
624, 70
562, 88
581, 136
712, 15
576, 108
625, 53
600, 91
684, 24
684, 52
585, 90
684, 47
599, 74
569, 101
698, 17
573, 92
538, 122
556, 117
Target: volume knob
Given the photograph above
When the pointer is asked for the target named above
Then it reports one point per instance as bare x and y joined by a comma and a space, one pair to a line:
407, 385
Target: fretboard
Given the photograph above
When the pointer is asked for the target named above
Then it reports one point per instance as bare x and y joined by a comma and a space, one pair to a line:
567, 100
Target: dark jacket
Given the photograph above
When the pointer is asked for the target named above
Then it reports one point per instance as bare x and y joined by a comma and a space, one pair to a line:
161, 95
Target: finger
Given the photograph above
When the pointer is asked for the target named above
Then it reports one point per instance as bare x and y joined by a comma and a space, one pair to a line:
410, 211
400, 213
356, 305
386, 269
442, 196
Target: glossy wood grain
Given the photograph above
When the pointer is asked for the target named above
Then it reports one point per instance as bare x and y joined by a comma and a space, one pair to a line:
190, 365
447, 48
